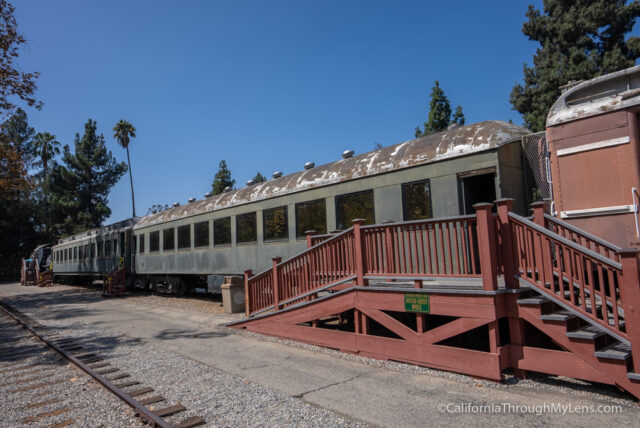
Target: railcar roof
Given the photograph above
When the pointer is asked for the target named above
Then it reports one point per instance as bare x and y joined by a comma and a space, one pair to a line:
610, 92
98, 231
452, 143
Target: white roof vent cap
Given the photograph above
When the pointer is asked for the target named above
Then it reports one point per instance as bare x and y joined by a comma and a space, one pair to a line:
191, 200
208, 194
277, 174
227, 189
347, 154
250, 182
309, 165
176, 204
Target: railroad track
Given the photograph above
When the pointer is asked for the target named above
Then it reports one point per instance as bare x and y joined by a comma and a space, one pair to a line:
34, 366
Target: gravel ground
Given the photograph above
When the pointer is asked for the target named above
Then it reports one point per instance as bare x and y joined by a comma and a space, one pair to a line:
220, 398
77, 395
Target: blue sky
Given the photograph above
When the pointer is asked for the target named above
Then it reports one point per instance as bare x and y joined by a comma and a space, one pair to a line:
265, 85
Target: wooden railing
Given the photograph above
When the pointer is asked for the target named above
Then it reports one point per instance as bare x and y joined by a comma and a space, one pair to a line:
574, 276
582, 238
442, 247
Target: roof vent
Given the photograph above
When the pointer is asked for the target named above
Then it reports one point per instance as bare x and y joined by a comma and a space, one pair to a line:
208, 194
227, 189
250, 182
277, 174
309, 165
191, 200
347, 154
176, 204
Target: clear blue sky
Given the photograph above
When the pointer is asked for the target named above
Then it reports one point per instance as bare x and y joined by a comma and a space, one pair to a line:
265, 85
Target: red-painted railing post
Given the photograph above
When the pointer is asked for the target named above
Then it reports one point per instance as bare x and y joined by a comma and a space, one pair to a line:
309, 234
247, 274
486, 246
508, 261
539, 208
359, 250
276, 283
543, 252
630, 298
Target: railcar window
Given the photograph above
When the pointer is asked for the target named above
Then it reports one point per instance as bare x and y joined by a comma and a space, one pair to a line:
75, 253
416, 200
100, 249
201, 234
246, 228
142, 243
168, 240
134, 246
275, 223
65, 254
115, 247
222, 231
154, 241
352, 206
86, 251
311, 216
107, 248
81, 252
184, 236
93, 250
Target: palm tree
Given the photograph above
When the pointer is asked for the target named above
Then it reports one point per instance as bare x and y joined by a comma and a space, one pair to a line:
123, 131
45, 147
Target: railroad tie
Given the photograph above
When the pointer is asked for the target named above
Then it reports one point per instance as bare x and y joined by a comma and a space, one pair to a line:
61, 424
85, 356
106, 371
92, 360
171, 410
140, 391
193, 421
97, 365
151, 400
125, 384
119, 376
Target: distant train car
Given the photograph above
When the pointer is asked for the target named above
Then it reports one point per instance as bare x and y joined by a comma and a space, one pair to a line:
592, 136
434, 176
91, 254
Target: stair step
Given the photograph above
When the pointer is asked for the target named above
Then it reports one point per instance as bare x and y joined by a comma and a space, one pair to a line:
633, 376
585, 332
561, 315
535, 300
615, 351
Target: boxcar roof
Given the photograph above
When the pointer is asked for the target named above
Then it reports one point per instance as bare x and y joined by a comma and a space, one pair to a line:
455, 142
613, 91
98, 231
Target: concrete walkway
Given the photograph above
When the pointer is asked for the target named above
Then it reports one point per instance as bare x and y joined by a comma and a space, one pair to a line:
374, 393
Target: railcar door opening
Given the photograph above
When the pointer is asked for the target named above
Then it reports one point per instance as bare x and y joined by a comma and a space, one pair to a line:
475, 188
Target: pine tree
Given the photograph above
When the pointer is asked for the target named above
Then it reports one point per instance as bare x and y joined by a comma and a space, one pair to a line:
458, 117
579, 40
80, 187
259, 178
440, 116
222, 179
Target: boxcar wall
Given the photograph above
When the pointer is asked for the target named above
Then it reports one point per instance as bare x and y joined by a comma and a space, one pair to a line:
452, 186
592, 132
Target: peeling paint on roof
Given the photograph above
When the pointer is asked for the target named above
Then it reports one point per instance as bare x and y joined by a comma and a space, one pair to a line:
455, 142
613, 91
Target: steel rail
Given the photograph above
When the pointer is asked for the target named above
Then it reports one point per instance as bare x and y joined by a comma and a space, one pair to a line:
144, 413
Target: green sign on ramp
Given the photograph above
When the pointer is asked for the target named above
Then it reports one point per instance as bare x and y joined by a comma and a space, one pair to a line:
414, 302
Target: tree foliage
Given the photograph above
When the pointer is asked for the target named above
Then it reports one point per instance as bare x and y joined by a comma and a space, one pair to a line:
157, 208
45, 147
123, 131
13, 82
579, 40
259, 178
80, 187
439, 117
222, 179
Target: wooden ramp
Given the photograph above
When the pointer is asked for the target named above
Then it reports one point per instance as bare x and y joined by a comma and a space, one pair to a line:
472, 294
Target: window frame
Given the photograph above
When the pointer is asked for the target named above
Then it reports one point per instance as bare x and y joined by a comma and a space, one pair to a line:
286, 222
404, 199
195, 234
255, 219
155, 233
188, 227
165, 240
373, 207
220, 221
299, 204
